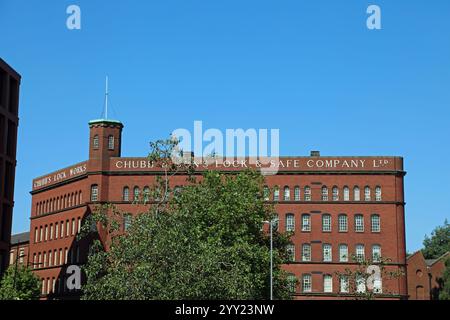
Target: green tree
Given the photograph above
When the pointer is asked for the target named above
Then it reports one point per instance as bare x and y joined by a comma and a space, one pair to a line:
205, 241
19, 284
445, 292
439, 242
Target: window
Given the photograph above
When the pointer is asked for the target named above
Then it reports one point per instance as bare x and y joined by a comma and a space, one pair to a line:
276, 194
360, 284
306, 222
275, 222
306, 252
51, 231
297, 193
46, 232
266, 193
290, 250
94, 193
343, 223
377, 193
327, 255
126, 194
375, 223
356, 194
367, 193
74, 227
136, 192
307, 193
67, 228
335, 192
326, 223
360, 254
346, 193
79, 225
376, 253
126, 221
343, 253
327, 283
307, 283
147, 193
324, 193
111, 142
377, 284
292, 282
287, 194
359, 223
344, 285
96, 142
290, 222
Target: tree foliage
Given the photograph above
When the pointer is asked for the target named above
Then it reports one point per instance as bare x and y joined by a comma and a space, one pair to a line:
445, 292
205, 241
439, 242
19, 284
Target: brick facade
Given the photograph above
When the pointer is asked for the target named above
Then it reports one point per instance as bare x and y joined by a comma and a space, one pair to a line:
61, 200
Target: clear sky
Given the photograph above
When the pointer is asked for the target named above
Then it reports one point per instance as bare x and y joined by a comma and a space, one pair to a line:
310, 68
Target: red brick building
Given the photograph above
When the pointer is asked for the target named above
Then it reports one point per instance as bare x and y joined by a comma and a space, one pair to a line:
337, 206
19, 252
425, 276
9, 121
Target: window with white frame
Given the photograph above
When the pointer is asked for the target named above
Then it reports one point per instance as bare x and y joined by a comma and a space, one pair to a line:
126, 194
306, 252
307, 283
377, 193
327, 255
346, 193
297, 193
327, 283
307, 193
377, 284
292, 282
360, 254
376, 253
111, 142
344, 284
360, 284
375, 223
276, 194
287, 194
343, 253
356, 194
147, 193
136, 193
324, 193
290, 250
266, 193
95, 142
306, 222
126, 221
343, 223
367, 193
359, 223
94, 193
275, 223
290, 222
326, 223
335, 192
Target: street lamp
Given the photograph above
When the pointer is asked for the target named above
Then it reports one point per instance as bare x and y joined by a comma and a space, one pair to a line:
270, 223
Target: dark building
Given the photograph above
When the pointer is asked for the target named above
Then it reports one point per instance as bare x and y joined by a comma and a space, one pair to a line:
337, 206
9, 120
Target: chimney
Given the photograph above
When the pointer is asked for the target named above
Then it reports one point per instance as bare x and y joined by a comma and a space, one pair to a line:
315, 153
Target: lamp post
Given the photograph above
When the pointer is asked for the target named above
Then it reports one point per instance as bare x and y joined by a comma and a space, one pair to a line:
271, 257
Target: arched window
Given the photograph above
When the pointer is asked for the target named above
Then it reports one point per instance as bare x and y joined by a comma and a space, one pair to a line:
136, 192
147, 193
296, 193
290, 250
346, 193
360, 253
335, 192
276, 194
324, 193
343, 223
126, 194
367, 193
306, 222
356, 194
359, 223
375, 224
307, 193
290, 222
95, 142
306, 252
326, 223
287, 194
307, 283
376, 253
111, 142
377, 193
327, 283
94, 193
266, 193
343, 253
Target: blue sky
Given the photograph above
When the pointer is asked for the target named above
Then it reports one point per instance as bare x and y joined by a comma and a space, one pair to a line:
310, 68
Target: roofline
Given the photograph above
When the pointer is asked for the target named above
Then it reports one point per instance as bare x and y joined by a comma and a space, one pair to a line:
440, 258
10, 69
